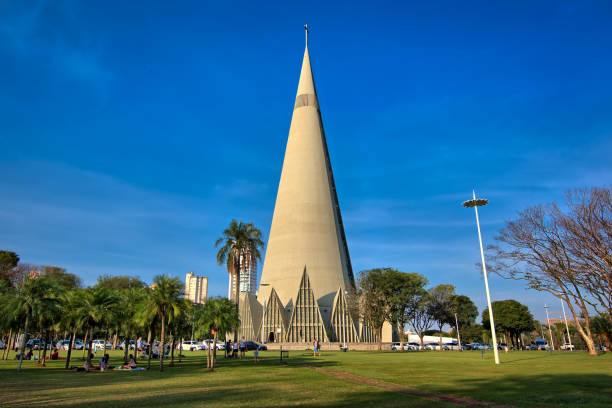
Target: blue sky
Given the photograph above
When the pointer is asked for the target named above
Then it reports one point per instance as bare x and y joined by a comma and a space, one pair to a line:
133, 132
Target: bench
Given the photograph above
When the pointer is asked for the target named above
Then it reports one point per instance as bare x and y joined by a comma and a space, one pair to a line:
284, 354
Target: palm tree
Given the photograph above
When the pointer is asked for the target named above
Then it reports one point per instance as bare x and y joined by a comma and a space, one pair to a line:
96, 309
219, 315
71, 320
166, 299
33, 297
240, 252
129, 299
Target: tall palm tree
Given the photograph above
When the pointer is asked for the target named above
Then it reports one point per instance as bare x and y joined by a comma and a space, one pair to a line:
166, 299
96, 308
219, 315
33, 297
71, 319
239, 252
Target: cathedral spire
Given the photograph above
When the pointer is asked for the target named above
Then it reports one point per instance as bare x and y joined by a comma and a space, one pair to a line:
307, 231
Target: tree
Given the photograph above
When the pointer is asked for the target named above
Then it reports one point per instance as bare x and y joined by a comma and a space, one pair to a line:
511, 318
66, 280
119, 282
166, 299
96, 309
465, 311
601, 326
219, 315
441, 306
539, 248
402, 288
240, 245
420, 313
34, 297
373, 299
8, 262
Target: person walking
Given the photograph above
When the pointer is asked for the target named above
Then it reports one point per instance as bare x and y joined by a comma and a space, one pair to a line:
242, 347
235, 350
314, 348
228, 348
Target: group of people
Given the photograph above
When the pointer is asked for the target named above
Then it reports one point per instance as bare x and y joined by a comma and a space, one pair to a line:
104, 364
232, 349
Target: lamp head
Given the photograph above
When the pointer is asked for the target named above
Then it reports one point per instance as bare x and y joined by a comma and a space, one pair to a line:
477, 202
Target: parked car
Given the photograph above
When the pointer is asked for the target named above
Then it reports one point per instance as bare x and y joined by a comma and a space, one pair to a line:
453, 345
415, 346
432, 346
78, 345
541, 344
477, 346
99, 344
567, 346
191, 346
34, 344
396, 346
251, 345
132, 345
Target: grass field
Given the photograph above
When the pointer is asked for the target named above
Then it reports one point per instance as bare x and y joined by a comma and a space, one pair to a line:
376, 379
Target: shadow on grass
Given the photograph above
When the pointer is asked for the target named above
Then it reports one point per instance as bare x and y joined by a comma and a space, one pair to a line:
580, 390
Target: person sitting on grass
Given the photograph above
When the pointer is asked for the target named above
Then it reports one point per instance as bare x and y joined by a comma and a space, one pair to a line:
131, 364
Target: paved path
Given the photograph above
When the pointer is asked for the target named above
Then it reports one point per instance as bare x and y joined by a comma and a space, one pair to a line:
402, 389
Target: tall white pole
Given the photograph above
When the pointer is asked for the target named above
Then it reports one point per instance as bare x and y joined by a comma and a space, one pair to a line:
484, 271
458, 335
569, 337
552, 342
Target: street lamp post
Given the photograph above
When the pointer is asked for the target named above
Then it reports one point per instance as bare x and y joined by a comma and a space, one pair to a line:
478, 203
552, 342
569, 337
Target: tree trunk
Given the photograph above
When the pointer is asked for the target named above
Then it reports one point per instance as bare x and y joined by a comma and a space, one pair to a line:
402, 336
44, 356
8, 345
115, 338
150, 348
440, 334
105, 341
23, 343
85, 343
237, 294
69, 353
162, 347
208, 365
126, 349
379, 337
214, 360
172, 342
181, 350
89, 347
422, 342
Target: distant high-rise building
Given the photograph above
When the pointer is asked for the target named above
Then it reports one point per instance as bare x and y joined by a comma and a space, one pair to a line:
196, 288
248, 282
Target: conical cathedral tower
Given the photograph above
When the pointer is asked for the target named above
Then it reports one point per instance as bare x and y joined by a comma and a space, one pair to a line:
307, 235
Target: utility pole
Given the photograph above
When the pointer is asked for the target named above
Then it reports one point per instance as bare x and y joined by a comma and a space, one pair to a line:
552, 342
569, 337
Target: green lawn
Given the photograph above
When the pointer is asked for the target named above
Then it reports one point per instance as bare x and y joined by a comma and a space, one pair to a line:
525, 379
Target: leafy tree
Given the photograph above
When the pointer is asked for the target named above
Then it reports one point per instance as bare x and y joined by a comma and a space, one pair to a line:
219, 315
470, 333
119, 282
601, 325
240, 245
373, 298
66, 280
8, 261
166, 299
402, 288
96, 308
465, 311
441, 306
511, 317
420, 313
33, 298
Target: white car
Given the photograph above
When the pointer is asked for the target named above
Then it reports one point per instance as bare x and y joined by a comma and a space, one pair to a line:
220, 344
99, 345
191, 346
432, 346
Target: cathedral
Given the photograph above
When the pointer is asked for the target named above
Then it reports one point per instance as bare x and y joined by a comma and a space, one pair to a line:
307, 289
